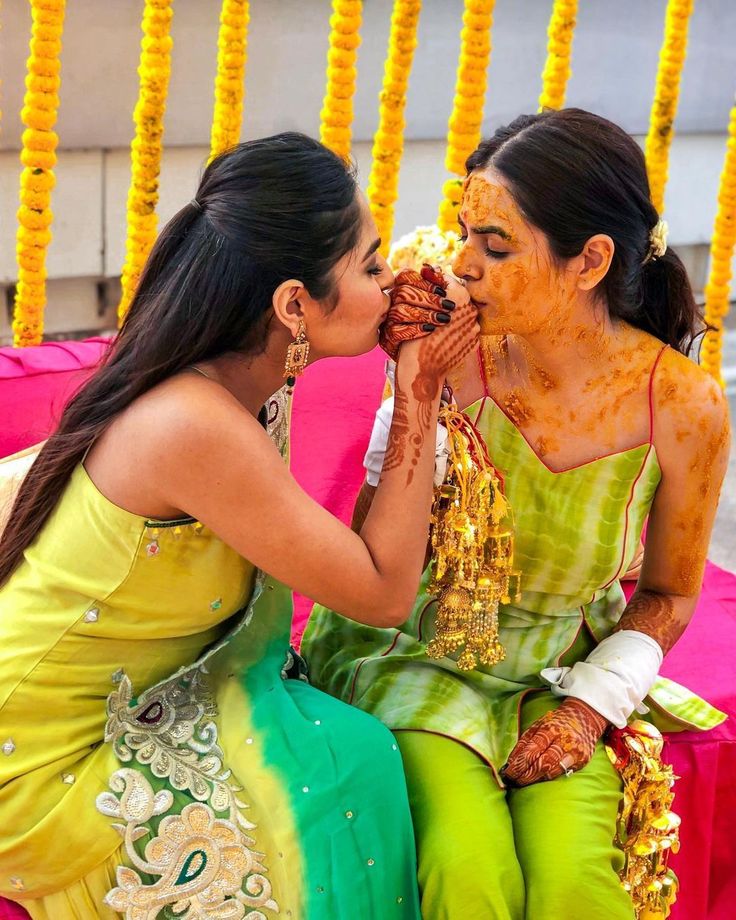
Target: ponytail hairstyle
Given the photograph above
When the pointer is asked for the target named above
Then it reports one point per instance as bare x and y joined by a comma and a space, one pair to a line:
573, 175
267, 210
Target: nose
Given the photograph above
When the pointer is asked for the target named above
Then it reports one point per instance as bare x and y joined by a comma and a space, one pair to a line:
465, 265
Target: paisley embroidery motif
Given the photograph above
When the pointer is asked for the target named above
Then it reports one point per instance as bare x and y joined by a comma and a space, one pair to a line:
207, 864
201, 860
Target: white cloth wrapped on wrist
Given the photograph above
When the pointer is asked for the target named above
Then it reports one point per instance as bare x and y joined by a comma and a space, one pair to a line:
376, 452
614, 678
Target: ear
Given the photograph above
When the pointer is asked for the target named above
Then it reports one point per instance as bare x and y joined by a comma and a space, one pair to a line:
595, 260
287, 305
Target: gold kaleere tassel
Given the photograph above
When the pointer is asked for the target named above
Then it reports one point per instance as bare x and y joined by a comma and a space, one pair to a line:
472, 551
647, 831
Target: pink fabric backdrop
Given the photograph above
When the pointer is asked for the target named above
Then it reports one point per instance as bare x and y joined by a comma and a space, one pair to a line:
333, 413
36, 383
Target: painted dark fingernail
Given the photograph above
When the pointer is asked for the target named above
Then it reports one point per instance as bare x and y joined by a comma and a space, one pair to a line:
443, 317
440, 292
428, 327
448, 304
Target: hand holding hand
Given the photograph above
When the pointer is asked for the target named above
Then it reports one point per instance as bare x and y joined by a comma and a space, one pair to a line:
420, 303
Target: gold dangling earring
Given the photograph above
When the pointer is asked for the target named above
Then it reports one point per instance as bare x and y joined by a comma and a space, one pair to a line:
297, 355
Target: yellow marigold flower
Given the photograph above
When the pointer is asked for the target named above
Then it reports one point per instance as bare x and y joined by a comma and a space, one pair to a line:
41, 102
337, 108
717, 289
229, 82
464, 125
557, 70
666, 95
388, 141
154, 70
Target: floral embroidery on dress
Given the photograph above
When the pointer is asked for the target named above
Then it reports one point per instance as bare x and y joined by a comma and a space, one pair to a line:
201, 859
207, 864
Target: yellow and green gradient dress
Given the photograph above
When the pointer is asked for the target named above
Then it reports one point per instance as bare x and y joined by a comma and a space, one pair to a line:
156, 749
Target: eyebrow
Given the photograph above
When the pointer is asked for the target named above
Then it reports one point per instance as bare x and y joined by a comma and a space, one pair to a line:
373, 247
489, 229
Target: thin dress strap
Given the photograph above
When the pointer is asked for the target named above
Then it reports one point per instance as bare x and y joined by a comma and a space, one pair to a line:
482, 367
193, 367
651, 393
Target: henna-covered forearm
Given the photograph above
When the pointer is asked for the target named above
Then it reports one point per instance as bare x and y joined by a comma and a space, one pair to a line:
398, 433
655, 615
415, 418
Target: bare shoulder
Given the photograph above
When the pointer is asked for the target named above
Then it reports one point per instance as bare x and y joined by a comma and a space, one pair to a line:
184, 410
690, 411
182, 425
683, 392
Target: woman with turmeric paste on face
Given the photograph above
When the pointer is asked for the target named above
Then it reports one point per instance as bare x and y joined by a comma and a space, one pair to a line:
595, 419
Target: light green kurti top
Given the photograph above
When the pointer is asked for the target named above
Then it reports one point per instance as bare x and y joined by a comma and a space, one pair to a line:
576, 530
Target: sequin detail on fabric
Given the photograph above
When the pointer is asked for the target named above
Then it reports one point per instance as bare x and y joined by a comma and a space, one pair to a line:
205, 860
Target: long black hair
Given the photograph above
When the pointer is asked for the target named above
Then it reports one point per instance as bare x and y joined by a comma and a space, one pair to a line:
575, 174
265, 211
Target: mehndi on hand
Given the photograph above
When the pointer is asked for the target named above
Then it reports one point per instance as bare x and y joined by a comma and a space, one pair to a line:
419, 304
559, 743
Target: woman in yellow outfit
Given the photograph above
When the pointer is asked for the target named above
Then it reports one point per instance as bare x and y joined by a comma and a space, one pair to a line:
155, 757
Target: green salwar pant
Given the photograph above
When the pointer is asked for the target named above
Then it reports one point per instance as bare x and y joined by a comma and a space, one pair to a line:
542, 852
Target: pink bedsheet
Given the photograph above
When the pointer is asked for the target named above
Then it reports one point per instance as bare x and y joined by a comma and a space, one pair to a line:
333, 412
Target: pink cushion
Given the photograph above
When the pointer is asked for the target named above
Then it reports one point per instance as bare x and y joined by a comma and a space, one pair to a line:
35, 385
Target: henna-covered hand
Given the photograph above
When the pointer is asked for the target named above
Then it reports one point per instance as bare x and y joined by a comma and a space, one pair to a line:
429, 361
419, 304
447, 347
562, 740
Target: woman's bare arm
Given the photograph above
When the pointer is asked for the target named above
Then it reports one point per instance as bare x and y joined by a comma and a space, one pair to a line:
692, 436
216, 463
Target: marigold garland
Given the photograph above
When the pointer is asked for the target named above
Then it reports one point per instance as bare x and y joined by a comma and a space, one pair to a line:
557, 69
463, 134
229, 82
38, 156
718, 288
388, 143
336, 117
666, 96
145, 150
